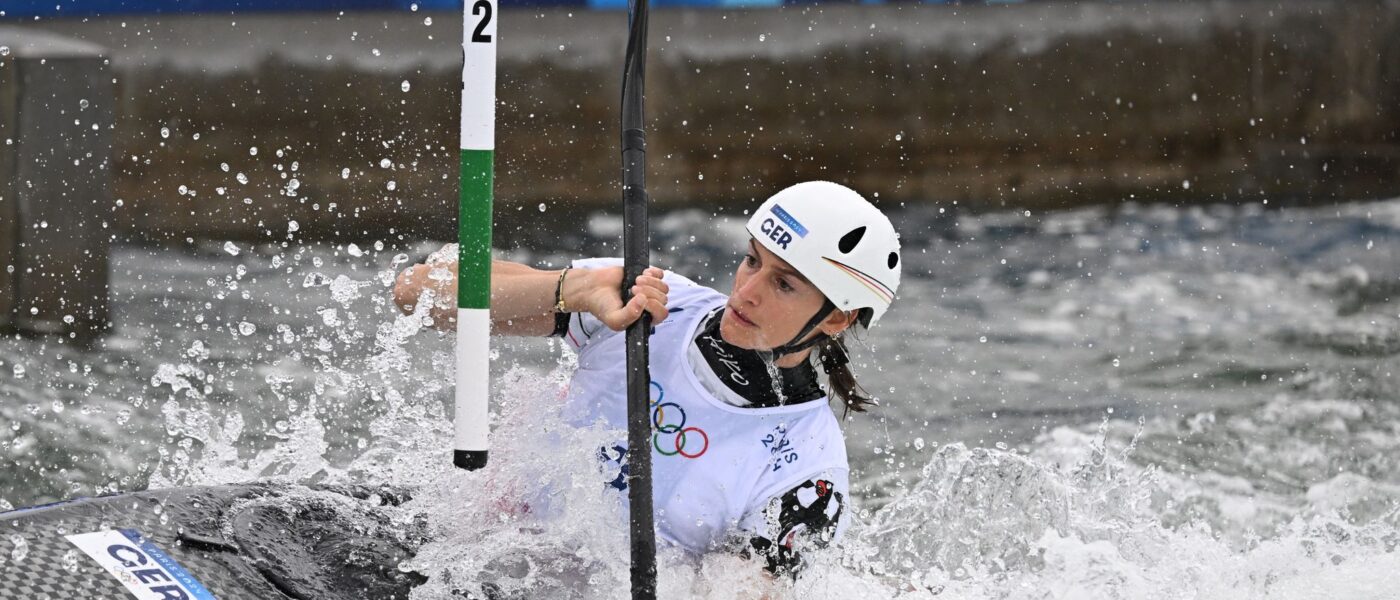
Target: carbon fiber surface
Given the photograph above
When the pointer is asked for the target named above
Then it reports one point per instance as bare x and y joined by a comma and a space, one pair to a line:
196, 527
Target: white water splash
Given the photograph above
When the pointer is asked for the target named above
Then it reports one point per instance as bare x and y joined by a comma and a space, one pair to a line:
1284, 491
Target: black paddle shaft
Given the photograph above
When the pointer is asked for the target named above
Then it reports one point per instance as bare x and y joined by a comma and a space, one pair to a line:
636, 257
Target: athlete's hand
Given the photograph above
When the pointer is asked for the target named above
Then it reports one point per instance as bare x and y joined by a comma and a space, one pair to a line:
604, 297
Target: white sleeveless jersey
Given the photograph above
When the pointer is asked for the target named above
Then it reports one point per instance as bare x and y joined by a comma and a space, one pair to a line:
716, 468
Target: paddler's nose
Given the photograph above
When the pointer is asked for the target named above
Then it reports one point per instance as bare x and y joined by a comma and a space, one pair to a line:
747, 290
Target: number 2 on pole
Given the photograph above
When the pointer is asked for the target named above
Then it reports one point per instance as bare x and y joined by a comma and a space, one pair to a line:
476, 176
479, 35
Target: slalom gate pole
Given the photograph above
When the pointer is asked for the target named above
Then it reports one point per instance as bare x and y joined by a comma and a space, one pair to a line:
474, 232
636, 258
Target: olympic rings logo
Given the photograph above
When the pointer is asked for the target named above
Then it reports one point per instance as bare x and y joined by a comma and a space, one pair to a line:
669, 418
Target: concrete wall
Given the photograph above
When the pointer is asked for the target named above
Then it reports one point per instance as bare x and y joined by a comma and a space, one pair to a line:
1035, 105
56, 123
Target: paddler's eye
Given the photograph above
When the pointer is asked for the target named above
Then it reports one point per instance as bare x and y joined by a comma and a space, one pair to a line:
784, 285
750, 261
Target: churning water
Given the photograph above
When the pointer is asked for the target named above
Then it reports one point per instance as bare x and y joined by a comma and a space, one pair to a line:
1144, 402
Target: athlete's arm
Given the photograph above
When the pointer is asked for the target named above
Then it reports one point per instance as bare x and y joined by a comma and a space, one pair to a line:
522, 297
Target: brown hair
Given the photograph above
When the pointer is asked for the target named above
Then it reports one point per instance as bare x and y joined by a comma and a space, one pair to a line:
842, 383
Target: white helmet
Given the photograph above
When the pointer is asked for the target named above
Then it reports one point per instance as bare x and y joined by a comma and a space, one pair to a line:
838, 240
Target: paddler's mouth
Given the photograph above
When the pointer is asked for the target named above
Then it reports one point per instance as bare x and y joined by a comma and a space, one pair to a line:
738, 316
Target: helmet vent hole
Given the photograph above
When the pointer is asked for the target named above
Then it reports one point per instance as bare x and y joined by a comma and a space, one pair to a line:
848, 242
894, 259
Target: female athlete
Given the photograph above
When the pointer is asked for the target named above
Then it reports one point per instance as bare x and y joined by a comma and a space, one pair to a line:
745, 448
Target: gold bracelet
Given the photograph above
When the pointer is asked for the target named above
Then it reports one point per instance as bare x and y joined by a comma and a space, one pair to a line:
559, 292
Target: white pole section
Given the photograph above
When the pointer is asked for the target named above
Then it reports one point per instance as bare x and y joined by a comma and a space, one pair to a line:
474, 232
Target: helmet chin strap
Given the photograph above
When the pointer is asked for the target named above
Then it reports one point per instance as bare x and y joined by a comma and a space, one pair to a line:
797, 344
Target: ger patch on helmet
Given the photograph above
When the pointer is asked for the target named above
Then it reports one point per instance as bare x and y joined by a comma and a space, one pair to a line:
781, 227
790, 221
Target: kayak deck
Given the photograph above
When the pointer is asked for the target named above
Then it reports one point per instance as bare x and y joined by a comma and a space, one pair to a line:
250, 541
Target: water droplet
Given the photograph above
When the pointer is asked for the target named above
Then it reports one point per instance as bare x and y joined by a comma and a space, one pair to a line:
184, 191
1116, 362
293, 226
1186, 184
542, 207
385, 163
354, 250
294, 184
68, 319
392, 185
247, 328
413, 7
83, 104
374, 51
243, 179
70, 561
918, 443
345, 173
4, 50
404, 86
231, 248
253, 151
982, 339
223, 167
21, 548
164, 132
19, 371
427, 20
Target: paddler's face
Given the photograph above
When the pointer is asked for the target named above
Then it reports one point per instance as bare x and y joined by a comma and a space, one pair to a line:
770, 302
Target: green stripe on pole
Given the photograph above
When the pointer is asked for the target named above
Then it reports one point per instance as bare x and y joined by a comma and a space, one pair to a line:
474, 230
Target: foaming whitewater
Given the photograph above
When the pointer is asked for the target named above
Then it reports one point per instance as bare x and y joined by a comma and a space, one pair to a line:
1147, 402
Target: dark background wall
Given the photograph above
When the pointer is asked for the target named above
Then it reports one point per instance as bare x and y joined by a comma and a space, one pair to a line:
1036, 105
19, 9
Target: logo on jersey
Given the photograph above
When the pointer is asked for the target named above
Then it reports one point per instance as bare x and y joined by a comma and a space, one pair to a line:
781, 449
672, 436
806, 516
